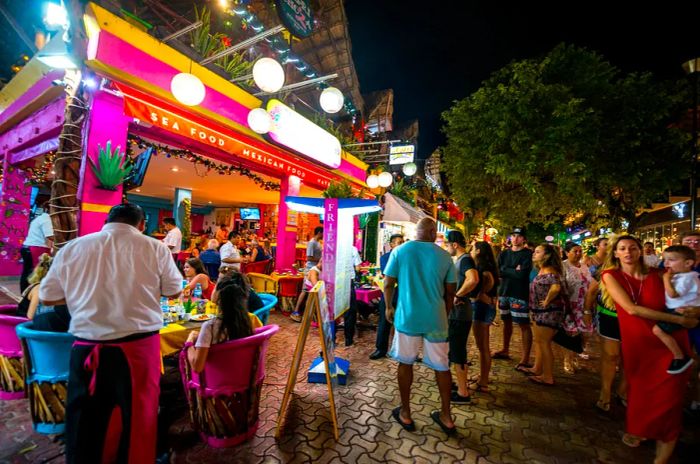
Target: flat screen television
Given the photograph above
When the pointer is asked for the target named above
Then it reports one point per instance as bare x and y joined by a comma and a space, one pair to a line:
250, 214
138, 173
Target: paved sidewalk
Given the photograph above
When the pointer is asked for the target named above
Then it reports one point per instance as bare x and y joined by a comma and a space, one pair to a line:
517, 422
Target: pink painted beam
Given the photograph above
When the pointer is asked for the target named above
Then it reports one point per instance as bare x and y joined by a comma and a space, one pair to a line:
43, 125
120, 55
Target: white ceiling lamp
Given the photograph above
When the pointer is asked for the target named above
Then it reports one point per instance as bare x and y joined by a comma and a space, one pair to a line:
259, 120
268, 75
372, 181
55, 16
409, 169
188, 89
331, 100
385, 179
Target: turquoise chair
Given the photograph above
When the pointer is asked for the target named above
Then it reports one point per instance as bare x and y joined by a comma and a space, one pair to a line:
46, 361
270, 302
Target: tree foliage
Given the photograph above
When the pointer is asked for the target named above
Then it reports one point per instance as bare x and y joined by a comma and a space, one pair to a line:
564, 138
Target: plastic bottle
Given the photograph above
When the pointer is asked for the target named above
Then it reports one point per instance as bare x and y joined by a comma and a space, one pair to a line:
165, 308
197, 292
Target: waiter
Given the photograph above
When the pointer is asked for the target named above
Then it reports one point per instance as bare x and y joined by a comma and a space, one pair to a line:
39, 240
112, 282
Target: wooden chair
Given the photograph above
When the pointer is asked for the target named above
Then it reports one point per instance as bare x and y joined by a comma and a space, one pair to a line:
46, 363
224, 399
262, 283
11, 365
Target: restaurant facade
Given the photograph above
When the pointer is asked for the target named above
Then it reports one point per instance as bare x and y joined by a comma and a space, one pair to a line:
206, 152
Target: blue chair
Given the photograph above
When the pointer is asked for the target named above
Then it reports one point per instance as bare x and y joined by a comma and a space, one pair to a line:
47, 361
270, 302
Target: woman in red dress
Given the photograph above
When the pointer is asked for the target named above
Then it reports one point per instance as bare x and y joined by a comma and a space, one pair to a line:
654, 398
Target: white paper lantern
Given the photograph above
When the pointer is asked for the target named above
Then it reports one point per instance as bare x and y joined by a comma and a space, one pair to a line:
331, 100
187, 89
259, 120
268, 75
372, 181
409, 169
385, 179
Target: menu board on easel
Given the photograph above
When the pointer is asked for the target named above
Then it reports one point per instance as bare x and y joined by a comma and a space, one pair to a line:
316, 304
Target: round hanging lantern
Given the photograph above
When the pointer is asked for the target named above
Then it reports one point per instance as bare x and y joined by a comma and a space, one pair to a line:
385, 179
409, 169
331, 100
187, 89
372, 181
268, 75
491, 231
259, 120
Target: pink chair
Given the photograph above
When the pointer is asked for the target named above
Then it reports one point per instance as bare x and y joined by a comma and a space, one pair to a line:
224, 399
11, 364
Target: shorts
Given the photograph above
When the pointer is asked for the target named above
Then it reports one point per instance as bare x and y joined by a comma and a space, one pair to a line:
405, 348
484, 312
457, 340
513, 308
669, 327
551, 317
608, 326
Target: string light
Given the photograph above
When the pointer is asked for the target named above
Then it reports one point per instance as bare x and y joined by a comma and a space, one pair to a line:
197, 160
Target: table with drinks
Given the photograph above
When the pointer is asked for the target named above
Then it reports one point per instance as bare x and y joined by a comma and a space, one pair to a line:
182, 316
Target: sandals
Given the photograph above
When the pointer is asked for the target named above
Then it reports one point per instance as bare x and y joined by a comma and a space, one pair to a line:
477, 387
396, 414
539, 380
435, 415
621, 400
632, 441
523, 367
602, 406
500, 355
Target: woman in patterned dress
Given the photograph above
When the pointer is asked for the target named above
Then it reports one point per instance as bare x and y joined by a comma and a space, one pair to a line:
577, 278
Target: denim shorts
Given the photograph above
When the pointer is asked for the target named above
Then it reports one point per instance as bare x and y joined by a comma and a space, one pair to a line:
514, 308
484, 312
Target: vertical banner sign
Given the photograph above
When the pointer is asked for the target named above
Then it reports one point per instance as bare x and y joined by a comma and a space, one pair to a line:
316, 304
337, 257
297, 17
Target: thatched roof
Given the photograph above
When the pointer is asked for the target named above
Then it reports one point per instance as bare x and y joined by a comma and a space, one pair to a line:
379, 116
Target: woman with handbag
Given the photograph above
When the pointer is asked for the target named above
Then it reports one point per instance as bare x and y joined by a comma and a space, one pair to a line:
547, 304
578, 319
654, 398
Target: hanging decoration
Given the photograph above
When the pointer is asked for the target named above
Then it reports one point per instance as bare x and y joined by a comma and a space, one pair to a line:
112, 167
40, 174
197, 160
186, 219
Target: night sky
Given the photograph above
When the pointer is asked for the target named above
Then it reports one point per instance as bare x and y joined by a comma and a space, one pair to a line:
434, 52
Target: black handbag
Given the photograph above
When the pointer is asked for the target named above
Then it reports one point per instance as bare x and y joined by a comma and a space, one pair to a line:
570, 342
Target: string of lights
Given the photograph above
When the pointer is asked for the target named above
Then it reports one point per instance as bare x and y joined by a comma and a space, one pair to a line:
198, 160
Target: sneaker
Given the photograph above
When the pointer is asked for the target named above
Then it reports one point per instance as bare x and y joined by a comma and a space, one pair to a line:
295, 316
680, 365
456, 398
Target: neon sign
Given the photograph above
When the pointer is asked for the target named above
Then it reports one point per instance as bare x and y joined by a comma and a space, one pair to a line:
294, 131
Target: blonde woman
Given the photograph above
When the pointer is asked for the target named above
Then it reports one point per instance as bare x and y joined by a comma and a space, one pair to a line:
654, 398
46, 318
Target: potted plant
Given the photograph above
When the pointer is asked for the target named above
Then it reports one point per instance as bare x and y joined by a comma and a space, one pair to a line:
112, 167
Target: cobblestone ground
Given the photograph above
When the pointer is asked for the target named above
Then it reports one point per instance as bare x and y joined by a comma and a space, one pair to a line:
516, 421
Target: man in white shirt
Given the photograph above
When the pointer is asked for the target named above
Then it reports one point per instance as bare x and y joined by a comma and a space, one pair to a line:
112, 282
174, 237
39, 241
230, 256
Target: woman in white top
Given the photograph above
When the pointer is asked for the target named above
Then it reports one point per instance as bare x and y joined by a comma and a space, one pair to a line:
312, 276
577, 278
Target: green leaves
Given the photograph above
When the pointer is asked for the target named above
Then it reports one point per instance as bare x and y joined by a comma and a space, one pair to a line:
112, 167
543, 140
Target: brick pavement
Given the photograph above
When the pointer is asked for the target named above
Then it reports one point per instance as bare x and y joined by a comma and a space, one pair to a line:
516, 422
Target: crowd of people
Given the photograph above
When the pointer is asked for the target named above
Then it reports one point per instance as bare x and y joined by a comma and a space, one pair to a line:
645, 312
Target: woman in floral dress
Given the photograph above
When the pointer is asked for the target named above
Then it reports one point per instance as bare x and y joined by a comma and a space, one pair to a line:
577, 279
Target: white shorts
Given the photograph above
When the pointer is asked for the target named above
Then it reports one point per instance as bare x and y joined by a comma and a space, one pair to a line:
405, 348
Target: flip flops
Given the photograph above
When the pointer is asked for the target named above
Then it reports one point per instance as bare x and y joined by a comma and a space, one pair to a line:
538, 380
396, 414
632, 441
603, 406
435, 415
523, 367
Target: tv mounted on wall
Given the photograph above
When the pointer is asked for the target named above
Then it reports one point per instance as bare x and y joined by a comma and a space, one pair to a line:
250, 214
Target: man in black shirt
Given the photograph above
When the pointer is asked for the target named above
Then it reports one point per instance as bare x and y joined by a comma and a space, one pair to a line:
515, 265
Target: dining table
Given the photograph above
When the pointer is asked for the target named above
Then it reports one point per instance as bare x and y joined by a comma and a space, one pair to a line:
368, 294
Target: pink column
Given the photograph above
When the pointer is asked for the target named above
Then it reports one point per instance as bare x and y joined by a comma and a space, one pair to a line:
107, 122
286, 232
15, 196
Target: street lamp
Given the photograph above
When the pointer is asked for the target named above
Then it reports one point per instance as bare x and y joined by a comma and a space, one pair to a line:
692, 68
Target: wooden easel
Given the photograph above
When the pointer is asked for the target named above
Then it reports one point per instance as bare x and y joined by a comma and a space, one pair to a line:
314, 300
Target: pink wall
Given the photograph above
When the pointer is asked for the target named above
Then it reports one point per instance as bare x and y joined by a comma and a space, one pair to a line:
286, 239
107, 122
14, 212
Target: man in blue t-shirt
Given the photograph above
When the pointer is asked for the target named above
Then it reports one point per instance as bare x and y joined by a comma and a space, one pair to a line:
428, 283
